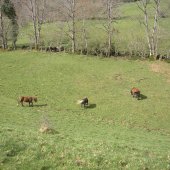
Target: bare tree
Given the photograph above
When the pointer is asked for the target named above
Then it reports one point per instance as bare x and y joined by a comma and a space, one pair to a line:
84, 31
37, 11
72, 18
75, 11
151, 31
72, 5
83, 6
110, 11
69, 12
155, 28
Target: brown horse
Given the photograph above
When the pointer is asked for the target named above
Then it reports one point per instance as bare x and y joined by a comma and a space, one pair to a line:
135, 92
28, 99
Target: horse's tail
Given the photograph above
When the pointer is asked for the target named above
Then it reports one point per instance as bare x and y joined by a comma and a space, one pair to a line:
79, 101
18, 100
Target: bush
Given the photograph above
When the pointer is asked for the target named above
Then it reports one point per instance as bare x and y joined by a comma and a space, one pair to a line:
130, 0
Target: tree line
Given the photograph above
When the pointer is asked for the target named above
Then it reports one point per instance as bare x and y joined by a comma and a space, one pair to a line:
17, 13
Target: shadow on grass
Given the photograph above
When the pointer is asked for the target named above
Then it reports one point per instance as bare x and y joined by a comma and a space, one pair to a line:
51, 131
143, 97
45, 167
40, 105
91, 106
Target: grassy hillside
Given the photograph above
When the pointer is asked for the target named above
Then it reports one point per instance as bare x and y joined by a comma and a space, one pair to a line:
116, 131
129, 34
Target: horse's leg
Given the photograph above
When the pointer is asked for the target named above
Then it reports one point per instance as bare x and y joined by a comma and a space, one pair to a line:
139, 97
30, 103
87, 103
22, 103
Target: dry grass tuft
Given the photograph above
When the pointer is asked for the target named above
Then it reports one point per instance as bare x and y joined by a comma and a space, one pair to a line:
161, 67
46, 126
80, 162
44, 129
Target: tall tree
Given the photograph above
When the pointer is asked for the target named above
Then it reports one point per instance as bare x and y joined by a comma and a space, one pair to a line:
83, 6
70, 14
37, 9
151, 30
110, 12
71, 7
2, 28
8, 10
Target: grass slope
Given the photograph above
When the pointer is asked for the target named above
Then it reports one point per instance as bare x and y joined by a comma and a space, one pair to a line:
116, 132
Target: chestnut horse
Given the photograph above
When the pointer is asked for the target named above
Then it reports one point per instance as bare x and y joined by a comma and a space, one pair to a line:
135, 92
28, 99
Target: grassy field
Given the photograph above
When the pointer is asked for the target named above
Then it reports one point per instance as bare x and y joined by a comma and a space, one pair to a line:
129, 34
115, 132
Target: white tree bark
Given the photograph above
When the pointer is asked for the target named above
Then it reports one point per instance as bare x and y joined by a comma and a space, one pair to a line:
151, 32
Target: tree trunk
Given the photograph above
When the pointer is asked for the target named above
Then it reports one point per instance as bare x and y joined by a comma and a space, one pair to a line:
4, 43
73, 28
85, 37
110, 4
34, 18
155, 29
109, 13
14, 45
148, 33
151, 34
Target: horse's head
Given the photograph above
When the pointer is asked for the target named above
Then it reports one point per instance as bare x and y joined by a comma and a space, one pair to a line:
35, 99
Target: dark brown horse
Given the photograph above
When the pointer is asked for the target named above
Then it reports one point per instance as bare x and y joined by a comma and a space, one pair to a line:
27, 99
135, 92
84, 102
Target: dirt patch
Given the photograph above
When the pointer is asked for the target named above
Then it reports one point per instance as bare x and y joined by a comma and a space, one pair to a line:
118, 77
156, 68
161, 67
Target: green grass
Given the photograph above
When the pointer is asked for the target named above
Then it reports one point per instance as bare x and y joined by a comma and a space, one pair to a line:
117, 132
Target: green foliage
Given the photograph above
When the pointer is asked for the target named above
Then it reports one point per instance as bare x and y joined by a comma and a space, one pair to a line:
9, 11
115, 132
130, 0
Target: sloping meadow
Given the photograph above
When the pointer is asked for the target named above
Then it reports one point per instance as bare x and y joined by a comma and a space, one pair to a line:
114, 131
